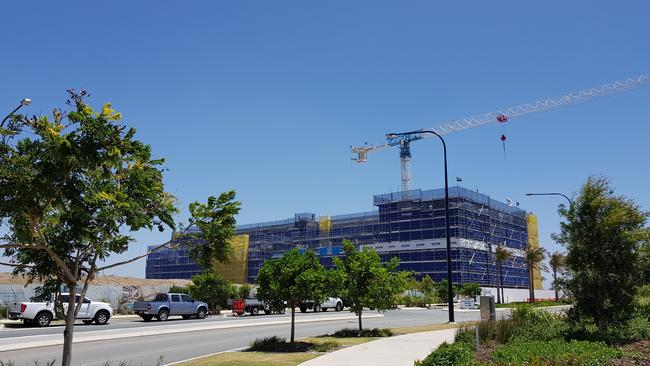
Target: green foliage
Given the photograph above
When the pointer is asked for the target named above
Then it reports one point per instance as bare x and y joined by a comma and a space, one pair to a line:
368, 282
442, 289
525, 323
459, 353
292, 278
211, 288
215, 221
556, 352
603, 234
642, 302
635, 329
374, 332
179, 289
73, 187
470, 289
428, 288
243, 291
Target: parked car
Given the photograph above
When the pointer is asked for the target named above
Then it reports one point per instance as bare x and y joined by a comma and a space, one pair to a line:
42, 313
329, 303
164, 305
252, 306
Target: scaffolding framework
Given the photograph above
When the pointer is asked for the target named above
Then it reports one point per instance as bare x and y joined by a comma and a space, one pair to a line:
409, 225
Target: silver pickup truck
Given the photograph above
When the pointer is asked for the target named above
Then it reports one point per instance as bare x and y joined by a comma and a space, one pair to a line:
163, 305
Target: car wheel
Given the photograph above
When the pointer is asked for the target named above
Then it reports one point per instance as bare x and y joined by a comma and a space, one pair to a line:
339, 306
147, 318
303, 309
255, 311
88, 322
163, 315
282, 311
43, 319
200, 314
102, 317
317, 309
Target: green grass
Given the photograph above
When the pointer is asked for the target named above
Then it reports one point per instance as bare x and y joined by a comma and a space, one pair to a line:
557, 352
253, 359
537, 304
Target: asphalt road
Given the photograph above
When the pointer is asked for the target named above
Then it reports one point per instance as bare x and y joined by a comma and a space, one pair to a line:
180, 346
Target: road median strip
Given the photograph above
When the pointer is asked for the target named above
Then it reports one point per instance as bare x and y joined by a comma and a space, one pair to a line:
23, 342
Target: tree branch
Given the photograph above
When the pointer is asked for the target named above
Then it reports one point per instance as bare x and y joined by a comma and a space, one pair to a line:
142, 255
17, 265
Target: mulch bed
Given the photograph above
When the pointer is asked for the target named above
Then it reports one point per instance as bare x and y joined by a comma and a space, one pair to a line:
641, 351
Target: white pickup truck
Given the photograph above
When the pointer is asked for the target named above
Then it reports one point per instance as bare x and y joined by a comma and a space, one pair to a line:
42, 313
329, 303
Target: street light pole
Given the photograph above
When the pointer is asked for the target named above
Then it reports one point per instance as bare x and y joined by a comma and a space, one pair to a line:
450, 287
553, 194
24, 102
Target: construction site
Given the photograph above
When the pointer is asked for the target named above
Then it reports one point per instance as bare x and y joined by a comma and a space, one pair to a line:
409, 225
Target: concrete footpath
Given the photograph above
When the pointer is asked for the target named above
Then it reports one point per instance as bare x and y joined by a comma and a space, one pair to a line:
401, 350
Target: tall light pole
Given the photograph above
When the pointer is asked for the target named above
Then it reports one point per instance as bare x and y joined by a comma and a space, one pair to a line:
24, 102
450, 287
553, 194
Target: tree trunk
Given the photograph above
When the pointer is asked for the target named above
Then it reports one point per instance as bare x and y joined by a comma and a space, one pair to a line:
499, 284
531, 284
555, 285
503, 299
360, 327
69, 326
293, 322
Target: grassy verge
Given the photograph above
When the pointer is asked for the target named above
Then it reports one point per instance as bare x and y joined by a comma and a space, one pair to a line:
538, 304
275, 351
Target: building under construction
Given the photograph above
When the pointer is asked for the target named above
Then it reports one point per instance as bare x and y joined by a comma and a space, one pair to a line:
409, 225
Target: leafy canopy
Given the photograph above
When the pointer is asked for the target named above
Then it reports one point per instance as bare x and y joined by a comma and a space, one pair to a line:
293, 278
73, 186
211, 288
603, 234
368, 282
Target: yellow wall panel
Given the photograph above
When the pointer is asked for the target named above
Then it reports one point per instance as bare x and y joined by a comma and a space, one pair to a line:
237, 270
533, 242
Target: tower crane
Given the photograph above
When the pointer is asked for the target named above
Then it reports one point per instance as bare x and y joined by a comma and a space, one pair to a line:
360, 153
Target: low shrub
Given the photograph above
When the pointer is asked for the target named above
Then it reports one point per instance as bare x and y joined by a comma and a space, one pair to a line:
352, 332
459, 353
266, 344
325, 346
4, 312
636, 329
557, 352
642, 302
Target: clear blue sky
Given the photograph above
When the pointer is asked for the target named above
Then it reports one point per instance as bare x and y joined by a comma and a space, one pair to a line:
267, 96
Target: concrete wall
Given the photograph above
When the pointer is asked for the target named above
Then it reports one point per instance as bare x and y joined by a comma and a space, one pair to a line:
518, 294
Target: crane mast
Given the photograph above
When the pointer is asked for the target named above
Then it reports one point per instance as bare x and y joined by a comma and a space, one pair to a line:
360, 153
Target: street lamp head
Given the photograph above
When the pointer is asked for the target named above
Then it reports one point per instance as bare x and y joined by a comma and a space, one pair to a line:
25, 102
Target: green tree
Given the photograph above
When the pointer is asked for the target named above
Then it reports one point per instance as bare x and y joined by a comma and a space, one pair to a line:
73, 186
210, 242
293, 278
557, 262
501, 254
470, 289
428, 289
369, 282
534, 257
178, 289
243, 291
211, 288
603, 234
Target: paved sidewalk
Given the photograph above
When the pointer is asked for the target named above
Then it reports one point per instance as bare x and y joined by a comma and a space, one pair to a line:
401, 350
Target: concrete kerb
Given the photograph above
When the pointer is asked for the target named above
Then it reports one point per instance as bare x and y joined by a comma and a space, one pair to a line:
92, 336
